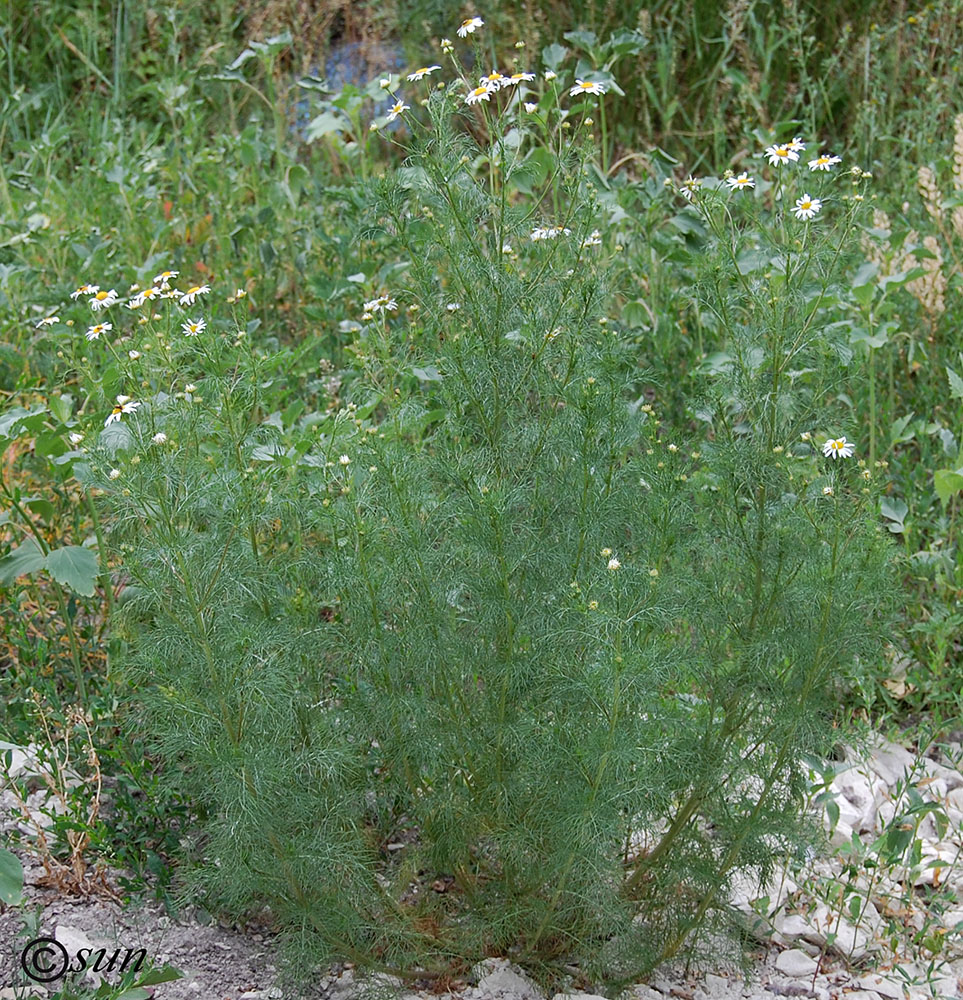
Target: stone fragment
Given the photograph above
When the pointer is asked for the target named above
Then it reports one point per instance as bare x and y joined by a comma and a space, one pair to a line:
884, 987
796, 964
857, 796
891, 762
719, 986
506, 981
790, 987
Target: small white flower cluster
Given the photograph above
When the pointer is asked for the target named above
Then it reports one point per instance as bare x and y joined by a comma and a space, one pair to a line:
101, 298
549, 232
806, 207
488, 84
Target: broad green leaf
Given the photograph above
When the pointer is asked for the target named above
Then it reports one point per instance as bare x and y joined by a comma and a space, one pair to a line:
897, 433
323, 125
626, 42
553, 55
41, 506
166, 975
956, 383
61, 407
947, 483
75, 567
11, 878
865, 274
894, 510
864, 294
584, 39
26, 558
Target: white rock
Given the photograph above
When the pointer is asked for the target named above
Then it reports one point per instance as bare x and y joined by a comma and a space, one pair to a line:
842, 833
796, 963
719, 986
791, 925
932, 787
884, 987
891, 762
952, 776
857, 796
578, 996
954, 806
640, 992
507, 981
936, 860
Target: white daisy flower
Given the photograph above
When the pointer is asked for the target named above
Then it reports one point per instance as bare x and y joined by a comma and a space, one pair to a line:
807, 207
469, 25
381, 303
838, 448
531, 107
84, 290
453, 306
47, 321
740, 182
614, 564
396, 109
521, 78
420, 74
75, 438
101, 299
824, 162
594, 240
124, 405
689, 187
159, 438
827, 491
190, 387
114, 474
147, 295
781, 154
482, 93
796, 144
344, 460
187, 298
193, 327
494, 80
446, 45
549, 75
94, 332
164, 279
133, 355
586, 87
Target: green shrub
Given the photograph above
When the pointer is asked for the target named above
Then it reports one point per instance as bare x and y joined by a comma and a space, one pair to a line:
484, 657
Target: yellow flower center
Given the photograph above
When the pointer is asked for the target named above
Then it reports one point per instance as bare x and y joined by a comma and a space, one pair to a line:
101, 296
806, 205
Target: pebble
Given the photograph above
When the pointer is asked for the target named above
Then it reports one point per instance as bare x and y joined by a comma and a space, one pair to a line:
796, 963
884, 987
506, 980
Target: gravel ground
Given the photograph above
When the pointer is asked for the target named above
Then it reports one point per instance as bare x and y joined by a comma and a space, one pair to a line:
806, 945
